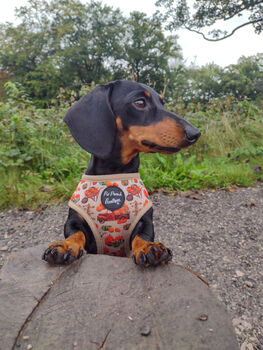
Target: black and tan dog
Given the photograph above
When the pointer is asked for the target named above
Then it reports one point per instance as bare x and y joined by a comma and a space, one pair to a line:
114, 123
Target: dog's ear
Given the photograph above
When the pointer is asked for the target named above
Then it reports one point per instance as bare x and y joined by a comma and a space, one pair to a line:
92, 122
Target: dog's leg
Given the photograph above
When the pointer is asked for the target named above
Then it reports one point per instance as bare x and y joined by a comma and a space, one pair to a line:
150, 253
146, 252
66, 251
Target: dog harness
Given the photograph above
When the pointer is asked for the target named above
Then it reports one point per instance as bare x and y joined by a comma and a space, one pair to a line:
112, 205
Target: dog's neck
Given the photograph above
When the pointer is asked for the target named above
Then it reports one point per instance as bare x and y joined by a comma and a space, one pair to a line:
99, 166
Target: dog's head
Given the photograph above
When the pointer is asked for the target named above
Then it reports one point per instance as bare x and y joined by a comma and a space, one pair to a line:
130, 115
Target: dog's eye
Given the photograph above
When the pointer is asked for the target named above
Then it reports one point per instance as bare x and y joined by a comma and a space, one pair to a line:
140, 103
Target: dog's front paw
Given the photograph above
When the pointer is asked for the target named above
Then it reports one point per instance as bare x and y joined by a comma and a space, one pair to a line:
150, 253
65, 252
61, 253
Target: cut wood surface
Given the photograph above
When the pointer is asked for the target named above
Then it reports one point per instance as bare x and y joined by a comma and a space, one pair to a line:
102, 302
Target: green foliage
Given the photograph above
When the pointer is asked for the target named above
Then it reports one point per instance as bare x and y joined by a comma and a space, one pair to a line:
228, 152
147, 51
35, 149
203, 84
41, 163
68, 44
60, 44
61, 49
245, 79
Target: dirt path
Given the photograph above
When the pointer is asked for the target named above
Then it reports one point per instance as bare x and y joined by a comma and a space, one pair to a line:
219, 234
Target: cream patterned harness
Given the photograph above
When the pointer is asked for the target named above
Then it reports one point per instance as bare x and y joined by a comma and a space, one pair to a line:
112, 205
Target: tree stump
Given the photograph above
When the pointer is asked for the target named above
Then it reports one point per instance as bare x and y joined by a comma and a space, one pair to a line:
103, 302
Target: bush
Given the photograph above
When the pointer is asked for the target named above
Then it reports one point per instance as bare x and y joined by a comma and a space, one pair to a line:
37, 149
41, 163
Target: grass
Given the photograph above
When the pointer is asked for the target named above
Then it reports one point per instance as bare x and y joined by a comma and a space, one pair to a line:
41, 164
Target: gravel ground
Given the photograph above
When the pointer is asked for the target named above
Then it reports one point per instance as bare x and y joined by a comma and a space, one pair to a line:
217, 233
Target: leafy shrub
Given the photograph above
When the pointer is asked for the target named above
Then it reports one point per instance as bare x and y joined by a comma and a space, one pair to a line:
41, 163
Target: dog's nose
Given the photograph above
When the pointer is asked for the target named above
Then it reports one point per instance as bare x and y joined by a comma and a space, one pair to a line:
191, 133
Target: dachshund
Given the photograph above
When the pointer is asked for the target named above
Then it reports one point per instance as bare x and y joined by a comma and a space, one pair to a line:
110, 211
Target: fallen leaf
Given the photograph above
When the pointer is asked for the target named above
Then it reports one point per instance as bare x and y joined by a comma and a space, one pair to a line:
231, 190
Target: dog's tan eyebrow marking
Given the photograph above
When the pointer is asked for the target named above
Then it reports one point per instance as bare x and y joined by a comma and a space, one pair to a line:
147, 93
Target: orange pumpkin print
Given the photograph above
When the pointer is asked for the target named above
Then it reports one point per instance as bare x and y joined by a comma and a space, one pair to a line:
109, 240
100, 207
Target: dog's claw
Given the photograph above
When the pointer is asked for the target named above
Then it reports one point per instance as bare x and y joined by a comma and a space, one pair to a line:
46, 252
154, 249
71, 259
142, 259
170, 252
54, 251
151, 257
66, 256
164, 256
162, 247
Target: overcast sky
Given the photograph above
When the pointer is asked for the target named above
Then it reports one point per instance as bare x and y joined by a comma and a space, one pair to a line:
195, 49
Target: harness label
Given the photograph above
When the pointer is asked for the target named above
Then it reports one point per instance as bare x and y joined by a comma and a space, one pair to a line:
112, 198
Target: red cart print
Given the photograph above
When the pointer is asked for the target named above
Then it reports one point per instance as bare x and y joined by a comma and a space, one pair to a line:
92, 193
113, 217
135, 190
